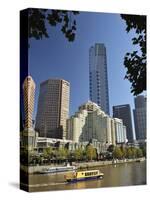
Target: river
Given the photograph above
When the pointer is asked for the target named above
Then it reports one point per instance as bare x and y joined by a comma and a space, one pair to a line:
126, 174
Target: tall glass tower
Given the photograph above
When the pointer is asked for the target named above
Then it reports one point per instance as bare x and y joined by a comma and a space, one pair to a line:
98, 76
140, 117
124, 112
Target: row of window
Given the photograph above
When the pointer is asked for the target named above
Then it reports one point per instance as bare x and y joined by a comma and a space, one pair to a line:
91, 173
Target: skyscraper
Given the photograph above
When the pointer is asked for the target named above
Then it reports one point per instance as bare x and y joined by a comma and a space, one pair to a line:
98, 76
28, 96
124, 112
53, 108
28, 136
140, 117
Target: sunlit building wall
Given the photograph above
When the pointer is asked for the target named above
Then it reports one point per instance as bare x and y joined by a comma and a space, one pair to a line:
120, 131
53, 108
90, 122
28, 97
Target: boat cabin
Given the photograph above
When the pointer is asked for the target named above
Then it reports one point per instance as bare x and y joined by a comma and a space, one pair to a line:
87, 173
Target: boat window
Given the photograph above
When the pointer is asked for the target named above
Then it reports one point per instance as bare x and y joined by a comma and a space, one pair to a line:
91, 173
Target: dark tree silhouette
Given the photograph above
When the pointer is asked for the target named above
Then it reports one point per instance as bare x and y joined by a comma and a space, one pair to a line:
135, 62
39, 19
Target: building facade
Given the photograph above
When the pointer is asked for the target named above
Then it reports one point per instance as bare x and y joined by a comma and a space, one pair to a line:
98, 79
53, 108
124, 112
28, 136
90, 122
120, 131
28, 97
140, 117
43, 143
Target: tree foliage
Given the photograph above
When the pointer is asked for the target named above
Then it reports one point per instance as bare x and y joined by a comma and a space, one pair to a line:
139, 153
90, 152
78, 154
127, 152
39, 19
135, 62
124, 151
143, 148
61, 153
47, 152
117, 153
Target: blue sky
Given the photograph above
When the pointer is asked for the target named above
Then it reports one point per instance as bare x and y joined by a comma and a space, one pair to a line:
55, 57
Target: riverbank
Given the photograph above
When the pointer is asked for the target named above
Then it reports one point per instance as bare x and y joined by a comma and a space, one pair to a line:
80, 165
104, 163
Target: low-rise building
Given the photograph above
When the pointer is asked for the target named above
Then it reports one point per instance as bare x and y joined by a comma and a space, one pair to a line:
43, 143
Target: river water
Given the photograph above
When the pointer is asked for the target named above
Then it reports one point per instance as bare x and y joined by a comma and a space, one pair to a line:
126, 174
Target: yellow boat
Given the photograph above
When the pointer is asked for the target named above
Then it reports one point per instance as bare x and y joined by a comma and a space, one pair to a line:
84, 175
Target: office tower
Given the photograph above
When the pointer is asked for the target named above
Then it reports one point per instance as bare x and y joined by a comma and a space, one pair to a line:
98, 76
140, 117
53, 108
124, 112
28, 97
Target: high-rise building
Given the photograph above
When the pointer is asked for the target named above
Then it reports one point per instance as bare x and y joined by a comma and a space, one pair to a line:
28, 136
28, 97
124, 112
90, 122
98, 79
140, 117
53, 108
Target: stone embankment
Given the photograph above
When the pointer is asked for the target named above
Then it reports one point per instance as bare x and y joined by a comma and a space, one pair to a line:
103, 163
80, 165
